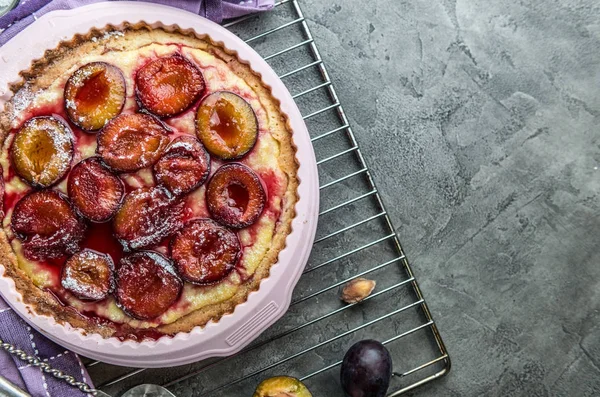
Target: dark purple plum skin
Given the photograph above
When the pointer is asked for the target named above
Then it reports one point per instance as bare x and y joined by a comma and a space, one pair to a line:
366, 370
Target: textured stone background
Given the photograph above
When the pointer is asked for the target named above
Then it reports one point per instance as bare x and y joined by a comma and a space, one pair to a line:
481, 122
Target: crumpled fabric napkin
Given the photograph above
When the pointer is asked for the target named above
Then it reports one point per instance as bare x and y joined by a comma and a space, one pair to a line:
217, 10
12, 328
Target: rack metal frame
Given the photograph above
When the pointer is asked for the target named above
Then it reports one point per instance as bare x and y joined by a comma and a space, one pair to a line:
428, 371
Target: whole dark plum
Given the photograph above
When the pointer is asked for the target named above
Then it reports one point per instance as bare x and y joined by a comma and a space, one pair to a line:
366, 370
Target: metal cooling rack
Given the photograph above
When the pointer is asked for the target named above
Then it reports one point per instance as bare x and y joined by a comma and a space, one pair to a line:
355, 238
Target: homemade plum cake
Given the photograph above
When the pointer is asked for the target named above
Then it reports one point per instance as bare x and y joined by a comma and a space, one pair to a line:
149, 182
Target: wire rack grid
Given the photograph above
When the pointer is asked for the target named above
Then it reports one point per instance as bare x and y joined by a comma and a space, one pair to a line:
355, 238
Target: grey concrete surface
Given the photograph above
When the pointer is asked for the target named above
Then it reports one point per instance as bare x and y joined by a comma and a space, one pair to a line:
481, 123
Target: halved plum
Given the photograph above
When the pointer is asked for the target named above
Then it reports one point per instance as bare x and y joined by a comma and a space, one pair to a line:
131, 142
226, 125
147, 285
169, 85
94, 190
88, 275
205, 252
281, 386
147, 216
47, 225
184, 166
94, 94
235, 196
42, 151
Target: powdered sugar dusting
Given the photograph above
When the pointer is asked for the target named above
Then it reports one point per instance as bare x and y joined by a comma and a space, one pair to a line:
22, 100
115, 33
88, 275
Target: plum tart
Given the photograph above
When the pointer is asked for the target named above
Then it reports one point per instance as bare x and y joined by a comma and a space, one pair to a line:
148, 182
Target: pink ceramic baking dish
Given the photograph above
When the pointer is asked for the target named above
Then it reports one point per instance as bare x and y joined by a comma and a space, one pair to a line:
263, 307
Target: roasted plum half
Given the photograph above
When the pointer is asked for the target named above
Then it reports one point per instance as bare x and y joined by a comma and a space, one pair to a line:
184, 166
169, 85
131, 142
147, 216
94, 94
94, 190
226, 125
204, 252
235, 196
281, 386
42, 151
88, 275
147, 285
47, 225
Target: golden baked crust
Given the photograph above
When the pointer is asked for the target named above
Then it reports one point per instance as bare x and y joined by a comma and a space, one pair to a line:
51, 67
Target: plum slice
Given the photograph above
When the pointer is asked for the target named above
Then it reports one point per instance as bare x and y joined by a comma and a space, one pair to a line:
94, 190
184, 166
169, 85
204, 252
131, 142
88, 275
226, 125
94, 94
47, 225
147, 285
235, 196
42, 151
281, 386
147, 216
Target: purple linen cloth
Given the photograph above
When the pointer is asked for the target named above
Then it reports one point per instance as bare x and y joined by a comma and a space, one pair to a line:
12, 328
217, 10
18, 333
